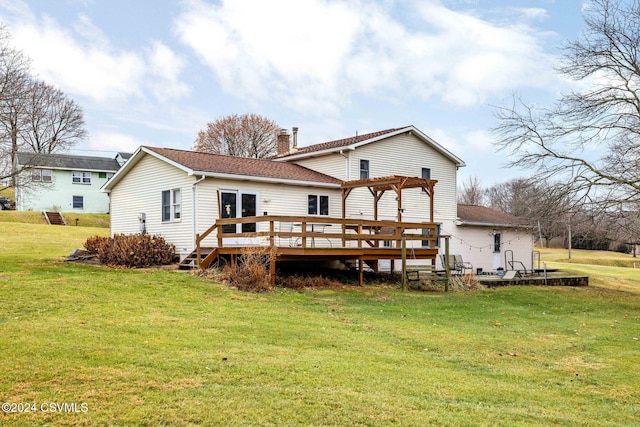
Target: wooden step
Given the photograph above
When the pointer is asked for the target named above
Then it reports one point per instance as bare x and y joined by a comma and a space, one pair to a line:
54, 218
190, 262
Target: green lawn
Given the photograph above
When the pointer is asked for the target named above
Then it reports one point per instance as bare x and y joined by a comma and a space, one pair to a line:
32, 217
157, 347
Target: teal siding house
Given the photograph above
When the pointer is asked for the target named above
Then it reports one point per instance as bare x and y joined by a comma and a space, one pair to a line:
65, 183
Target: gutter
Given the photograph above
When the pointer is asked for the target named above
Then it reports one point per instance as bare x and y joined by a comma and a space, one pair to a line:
492, 224
266, 179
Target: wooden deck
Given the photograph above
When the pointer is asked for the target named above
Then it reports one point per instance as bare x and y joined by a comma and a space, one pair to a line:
301, 239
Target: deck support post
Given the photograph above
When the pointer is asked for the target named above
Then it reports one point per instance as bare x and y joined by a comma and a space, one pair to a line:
404, 262
446, 264
272, 269
360, 271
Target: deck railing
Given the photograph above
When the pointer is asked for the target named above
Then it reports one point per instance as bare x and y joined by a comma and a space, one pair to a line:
304, 230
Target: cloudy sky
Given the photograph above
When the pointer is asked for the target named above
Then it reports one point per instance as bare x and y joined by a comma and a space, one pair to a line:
154, 72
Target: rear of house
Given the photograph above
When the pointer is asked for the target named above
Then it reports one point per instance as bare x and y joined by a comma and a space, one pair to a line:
178, 194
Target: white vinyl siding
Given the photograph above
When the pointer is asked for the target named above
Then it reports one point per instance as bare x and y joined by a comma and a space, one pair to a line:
272, 199
403, 154
334, 165
140, 191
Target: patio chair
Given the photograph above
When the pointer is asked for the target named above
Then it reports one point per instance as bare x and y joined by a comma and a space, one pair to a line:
288, 240
461, 265
456, 264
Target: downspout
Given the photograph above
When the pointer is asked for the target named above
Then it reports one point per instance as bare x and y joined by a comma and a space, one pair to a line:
193, 209
347, 171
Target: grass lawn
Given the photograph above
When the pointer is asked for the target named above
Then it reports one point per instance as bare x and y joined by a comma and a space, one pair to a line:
157, 347
32, 217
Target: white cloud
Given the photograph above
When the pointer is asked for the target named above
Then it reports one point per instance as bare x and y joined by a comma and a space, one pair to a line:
480, 140
81, 60
114, 142
445, 139
315, 55
165, 69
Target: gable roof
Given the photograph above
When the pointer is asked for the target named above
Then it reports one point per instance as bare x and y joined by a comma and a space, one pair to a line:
229, 167
353, 142
473, 215
68, 162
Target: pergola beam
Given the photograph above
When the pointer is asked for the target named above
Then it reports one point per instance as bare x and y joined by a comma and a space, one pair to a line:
397, 183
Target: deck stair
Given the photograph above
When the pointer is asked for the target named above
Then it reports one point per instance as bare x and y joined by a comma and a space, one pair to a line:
191, 261
54, 218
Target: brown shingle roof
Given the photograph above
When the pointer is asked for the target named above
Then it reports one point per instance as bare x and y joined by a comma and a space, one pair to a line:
241, 166
340, 142
482, 215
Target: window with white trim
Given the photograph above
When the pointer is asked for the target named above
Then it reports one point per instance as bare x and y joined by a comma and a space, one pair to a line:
79, 177
318, 205
364, 169
171, 205
41, 175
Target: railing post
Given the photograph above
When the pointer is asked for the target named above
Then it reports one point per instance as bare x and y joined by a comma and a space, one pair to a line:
303, 230
271, 231
198, 250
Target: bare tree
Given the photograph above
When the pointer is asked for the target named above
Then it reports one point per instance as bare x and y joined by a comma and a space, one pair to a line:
606, 114
34, 116
14, 81
53, 121
247, 135
472, 192
541, 204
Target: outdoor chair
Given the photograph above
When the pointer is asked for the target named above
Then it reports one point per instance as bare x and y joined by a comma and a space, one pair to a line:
456, 264
461, 265
287, 240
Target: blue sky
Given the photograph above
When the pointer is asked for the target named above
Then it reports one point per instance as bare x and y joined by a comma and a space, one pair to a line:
154, 72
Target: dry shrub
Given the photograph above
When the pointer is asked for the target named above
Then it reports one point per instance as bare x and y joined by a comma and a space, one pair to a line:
94, 243
466, 282
251, 272
133, 250
301, 282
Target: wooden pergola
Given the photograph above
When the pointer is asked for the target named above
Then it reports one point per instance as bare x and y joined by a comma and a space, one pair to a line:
378, 186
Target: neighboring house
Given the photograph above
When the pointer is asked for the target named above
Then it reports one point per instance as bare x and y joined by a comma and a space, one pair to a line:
65, 183
179, 194
488, 239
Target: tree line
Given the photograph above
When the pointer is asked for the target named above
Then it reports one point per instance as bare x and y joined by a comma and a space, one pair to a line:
601, 192
35, 116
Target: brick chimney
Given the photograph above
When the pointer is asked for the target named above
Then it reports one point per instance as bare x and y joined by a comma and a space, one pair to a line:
283, 142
